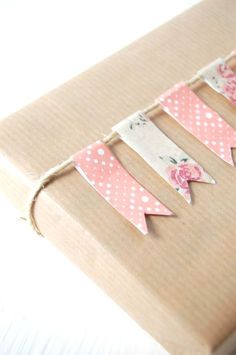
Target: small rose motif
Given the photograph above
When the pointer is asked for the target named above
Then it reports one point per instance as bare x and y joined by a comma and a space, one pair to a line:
230, 89
229, 81
180, 174
225, 72
181, 171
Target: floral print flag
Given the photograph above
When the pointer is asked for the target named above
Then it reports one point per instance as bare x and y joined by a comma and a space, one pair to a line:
106, 175
181, 103
221, 78
164, 156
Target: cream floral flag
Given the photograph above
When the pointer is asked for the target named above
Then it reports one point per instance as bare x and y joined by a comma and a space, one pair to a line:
221, 78
162, 154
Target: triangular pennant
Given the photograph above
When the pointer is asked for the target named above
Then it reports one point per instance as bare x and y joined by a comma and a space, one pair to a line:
162, 154
181, 103
221, 78
107, 176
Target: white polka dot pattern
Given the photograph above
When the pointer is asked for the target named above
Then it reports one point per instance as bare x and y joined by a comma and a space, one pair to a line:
196, 117
105, 173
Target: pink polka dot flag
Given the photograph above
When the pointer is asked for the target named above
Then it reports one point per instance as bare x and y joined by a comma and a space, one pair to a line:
108, 177
195, 116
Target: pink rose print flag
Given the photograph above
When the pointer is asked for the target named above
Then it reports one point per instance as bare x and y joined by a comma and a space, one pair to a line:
181, 103
221, 78
107, 176
163, 155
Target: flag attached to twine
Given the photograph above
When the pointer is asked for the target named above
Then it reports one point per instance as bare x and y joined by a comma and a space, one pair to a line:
219, 76
174, 165
108, 177
181, 103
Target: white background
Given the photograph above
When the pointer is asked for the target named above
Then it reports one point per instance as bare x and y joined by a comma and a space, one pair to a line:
47, 306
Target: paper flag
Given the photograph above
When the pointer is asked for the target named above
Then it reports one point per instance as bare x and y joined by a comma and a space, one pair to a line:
163, 155
233, 53
181, 103
221, 78
106, 175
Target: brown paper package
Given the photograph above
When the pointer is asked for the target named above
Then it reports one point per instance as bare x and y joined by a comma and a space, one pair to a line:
179, 282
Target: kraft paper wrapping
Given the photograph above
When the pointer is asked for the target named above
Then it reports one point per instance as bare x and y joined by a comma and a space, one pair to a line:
179, 282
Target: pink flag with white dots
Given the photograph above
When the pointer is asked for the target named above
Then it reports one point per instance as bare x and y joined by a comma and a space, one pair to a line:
195, 116
108, 177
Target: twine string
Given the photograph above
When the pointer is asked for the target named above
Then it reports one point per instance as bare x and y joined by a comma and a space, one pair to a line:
41, 183
53, 172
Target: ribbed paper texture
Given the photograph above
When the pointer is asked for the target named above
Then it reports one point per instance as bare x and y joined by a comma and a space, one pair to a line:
180, 282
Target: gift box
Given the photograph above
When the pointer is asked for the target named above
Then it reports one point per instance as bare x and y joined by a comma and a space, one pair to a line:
179, 281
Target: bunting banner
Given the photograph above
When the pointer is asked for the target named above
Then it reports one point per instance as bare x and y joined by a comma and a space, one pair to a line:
108, 177
163, 155
219, 76
181, 103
